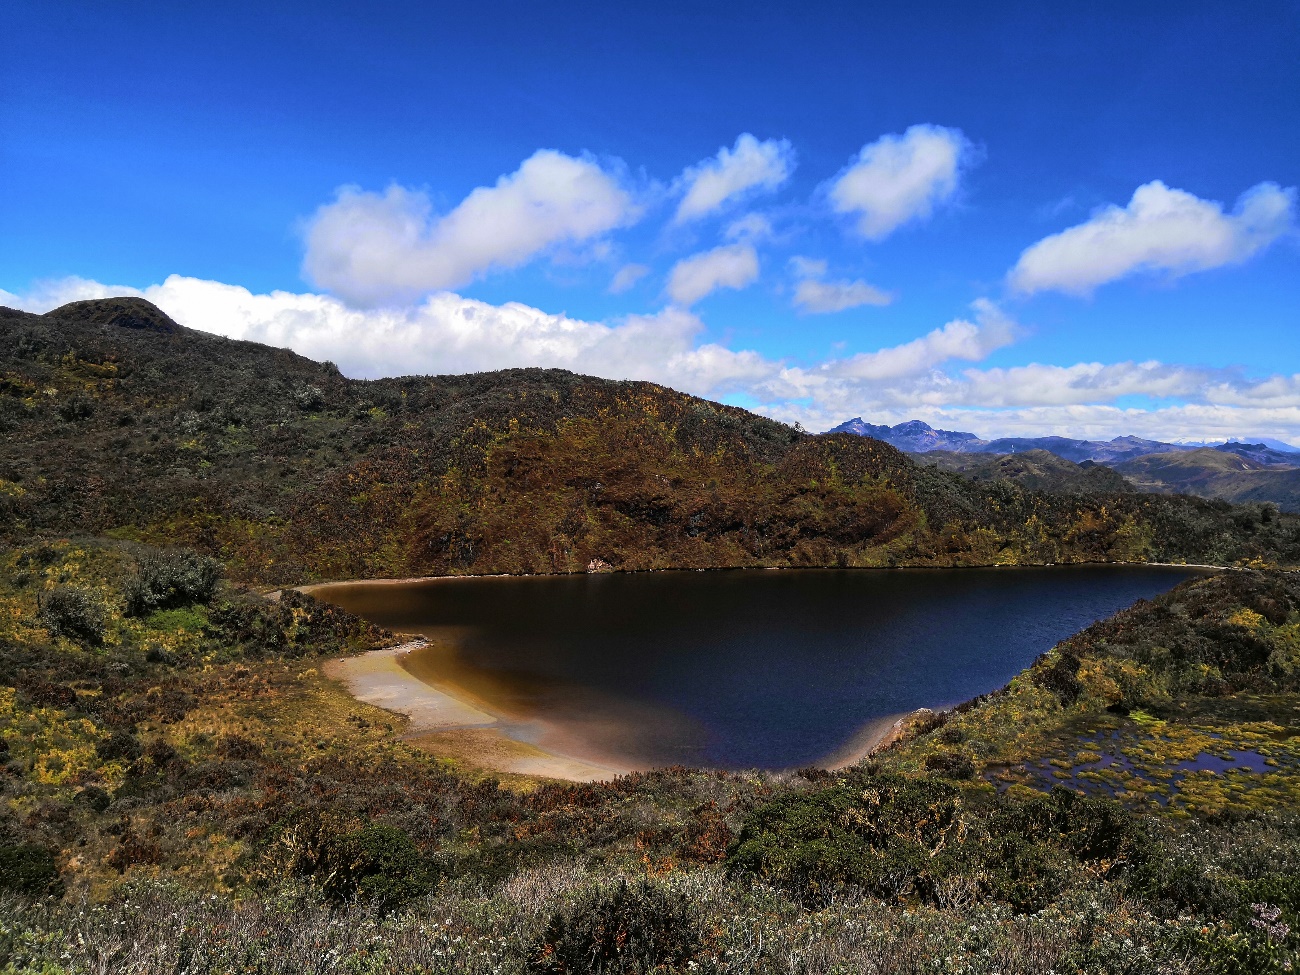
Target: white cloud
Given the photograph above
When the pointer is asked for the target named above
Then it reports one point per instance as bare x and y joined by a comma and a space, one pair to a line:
377, 248
626, 277
753, 227
447, 333
814, 296
900, 178
1163, 230
808, 267
733, 266
821, 297
750, 165
959, 339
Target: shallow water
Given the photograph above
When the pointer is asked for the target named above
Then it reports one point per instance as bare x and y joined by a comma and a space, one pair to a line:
739, 669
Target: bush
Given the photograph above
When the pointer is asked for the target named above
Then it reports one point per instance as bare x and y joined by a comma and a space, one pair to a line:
29, 870
376, 864
636, 927
73, 613
889, 836
952, 765
169, 580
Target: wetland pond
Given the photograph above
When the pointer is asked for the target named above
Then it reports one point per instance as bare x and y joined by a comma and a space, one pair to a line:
736, 669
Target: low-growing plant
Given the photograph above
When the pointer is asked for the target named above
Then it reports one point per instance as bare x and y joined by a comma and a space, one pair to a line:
376, 864
73, 613
29, 870
169, 580
621, 927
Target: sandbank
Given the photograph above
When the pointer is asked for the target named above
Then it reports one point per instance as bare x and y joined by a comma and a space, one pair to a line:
444, 723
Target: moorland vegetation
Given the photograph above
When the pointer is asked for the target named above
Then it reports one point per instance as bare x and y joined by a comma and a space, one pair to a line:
183, 791
118, 421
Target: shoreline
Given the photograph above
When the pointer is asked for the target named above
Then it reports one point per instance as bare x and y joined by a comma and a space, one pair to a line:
447, 724
873, 736
310, 587
451, 725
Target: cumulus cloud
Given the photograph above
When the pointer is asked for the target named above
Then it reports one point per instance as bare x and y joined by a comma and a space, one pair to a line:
626, 277
378, 248
733, 266
814, 296
445, 333
900, 178
820, 297
753, 227
749, 166
1161, 230
958, 339
932, 377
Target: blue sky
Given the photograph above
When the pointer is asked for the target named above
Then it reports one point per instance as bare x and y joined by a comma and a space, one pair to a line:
1009, 218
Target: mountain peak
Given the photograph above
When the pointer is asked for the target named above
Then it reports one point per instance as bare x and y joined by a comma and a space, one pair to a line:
120, 312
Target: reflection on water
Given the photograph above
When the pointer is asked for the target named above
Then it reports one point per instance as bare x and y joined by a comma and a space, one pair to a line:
739, 669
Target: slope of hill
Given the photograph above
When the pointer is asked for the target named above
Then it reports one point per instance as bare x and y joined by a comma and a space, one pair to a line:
1033, 470
117, 420
1213, 473
1262, 453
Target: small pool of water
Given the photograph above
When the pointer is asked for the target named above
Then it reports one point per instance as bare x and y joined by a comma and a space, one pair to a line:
740, 669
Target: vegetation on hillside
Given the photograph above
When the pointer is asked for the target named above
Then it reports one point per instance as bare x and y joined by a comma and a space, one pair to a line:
224, 808
118, 421
181, 790
1207, 473
1031, 470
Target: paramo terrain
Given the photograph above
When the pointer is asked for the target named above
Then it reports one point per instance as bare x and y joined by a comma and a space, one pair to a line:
183, 791
117, 420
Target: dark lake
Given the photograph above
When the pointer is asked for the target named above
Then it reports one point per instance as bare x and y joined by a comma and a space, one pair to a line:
740, 669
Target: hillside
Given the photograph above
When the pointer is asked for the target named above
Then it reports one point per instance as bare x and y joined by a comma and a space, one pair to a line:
1237, 476
116, 420
1032, 470
184, 792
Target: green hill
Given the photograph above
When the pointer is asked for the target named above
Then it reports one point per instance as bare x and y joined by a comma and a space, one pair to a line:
184, 789
1033, 470
1209, 473
117, 420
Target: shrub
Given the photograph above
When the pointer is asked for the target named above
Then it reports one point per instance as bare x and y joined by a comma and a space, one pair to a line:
171, 579
73, 613
95, 798
29, 870
623, 927
887, 835
376, 864
952, 765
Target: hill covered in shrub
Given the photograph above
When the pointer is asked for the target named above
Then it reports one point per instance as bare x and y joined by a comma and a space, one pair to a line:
183, 792
117, 420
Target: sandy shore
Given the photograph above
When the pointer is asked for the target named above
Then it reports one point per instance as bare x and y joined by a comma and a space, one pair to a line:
448, 726
866, 741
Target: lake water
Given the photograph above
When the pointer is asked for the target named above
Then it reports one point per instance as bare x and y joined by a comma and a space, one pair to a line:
739, 669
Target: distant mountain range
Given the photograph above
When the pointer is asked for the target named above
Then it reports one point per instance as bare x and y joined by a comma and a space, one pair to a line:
918, 437
1267, 470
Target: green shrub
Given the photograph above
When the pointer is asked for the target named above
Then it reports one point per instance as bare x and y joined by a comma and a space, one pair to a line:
890, 836
73, 613
376, 864
623, 927
29, 870
169, 580
952, 765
